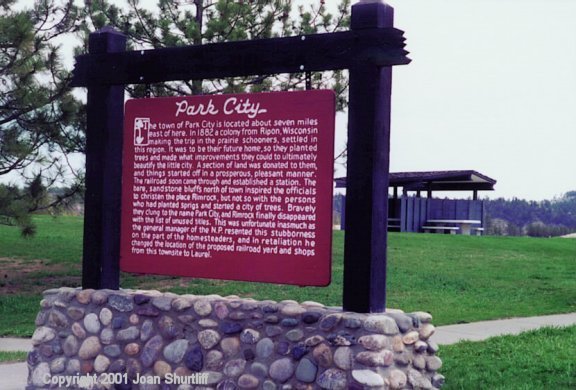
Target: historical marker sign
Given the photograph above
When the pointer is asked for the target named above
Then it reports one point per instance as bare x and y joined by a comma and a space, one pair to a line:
230, 186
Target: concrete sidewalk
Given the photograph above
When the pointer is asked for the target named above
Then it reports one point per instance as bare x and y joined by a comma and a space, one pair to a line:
477, 331
15, 344
13, 376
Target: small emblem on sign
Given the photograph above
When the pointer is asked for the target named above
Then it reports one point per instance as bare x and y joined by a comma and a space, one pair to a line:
141, 127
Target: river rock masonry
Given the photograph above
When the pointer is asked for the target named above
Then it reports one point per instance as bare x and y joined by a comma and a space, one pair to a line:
154, 340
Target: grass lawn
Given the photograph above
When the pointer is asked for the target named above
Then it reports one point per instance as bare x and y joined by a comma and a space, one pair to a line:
541, 359
12, 357
456, 278
58, 240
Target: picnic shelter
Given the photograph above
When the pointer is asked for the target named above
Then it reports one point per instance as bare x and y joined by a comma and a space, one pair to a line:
415, 209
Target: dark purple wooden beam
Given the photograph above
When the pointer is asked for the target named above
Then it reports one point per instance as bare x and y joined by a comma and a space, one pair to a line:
315, 52
441, 186
367, 171
105, 116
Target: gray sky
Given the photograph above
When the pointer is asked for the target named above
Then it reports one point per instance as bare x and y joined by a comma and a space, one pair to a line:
491, 87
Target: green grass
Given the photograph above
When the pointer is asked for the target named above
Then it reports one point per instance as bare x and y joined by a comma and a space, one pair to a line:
456, 278
12, 356
17, 314
464, 279
58, 239
541, 359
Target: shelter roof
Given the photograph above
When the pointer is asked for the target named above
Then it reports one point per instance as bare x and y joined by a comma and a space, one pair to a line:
467, 180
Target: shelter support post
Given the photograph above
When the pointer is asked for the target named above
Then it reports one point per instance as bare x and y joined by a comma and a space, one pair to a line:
367, 172
105, 116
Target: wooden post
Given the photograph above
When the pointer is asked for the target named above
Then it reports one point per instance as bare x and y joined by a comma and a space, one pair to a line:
367, 171
105, 116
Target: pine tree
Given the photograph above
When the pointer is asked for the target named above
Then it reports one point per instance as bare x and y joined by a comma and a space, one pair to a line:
38, 115
194, 22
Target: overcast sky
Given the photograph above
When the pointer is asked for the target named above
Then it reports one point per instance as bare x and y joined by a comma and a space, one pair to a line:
491, 87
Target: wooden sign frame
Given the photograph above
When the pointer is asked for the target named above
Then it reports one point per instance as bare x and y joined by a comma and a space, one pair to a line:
367, 50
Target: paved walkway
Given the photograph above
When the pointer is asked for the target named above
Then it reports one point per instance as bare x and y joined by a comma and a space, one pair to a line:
13, 376
476, 331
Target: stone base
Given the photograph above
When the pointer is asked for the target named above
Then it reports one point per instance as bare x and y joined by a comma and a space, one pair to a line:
152, 340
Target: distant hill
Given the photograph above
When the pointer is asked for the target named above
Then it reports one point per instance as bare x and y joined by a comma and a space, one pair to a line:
546, 218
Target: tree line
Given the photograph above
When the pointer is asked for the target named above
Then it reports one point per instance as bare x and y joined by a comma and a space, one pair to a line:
547, 218
517, 217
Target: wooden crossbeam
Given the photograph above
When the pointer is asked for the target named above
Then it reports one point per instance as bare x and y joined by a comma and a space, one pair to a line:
305, 53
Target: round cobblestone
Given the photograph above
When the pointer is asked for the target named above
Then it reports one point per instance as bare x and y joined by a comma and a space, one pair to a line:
239, 343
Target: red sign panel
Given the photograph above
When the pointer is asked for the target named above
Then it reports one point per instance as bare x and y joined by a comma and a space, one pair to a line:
230, 187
